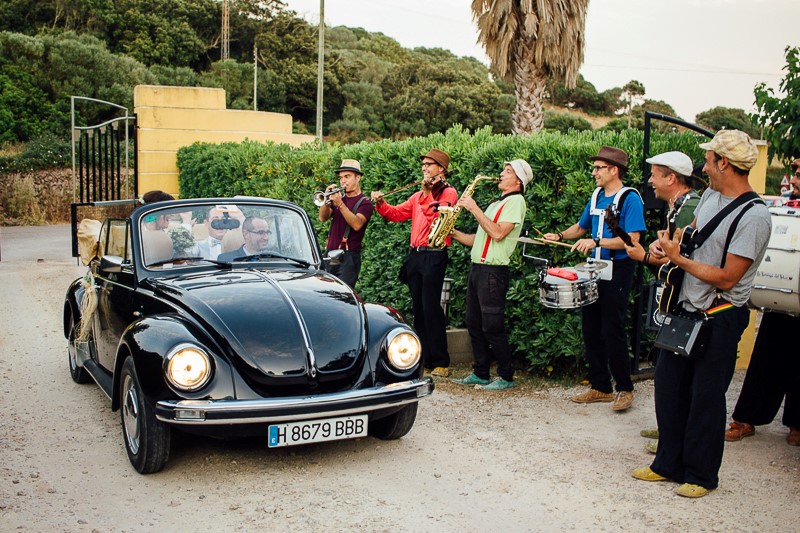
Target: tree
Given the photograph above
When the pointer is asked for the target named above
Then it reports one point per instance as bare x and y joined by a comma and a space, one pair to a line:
529, 42
780, 117
729, 118
632, 90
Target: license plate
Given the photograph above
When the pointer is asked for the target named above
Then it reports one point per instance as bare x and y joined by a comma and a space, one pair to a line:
308, 431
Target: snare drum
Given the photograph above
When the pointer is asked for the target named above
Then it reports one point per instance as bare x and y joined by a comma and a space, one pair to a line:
777, 283
560, 293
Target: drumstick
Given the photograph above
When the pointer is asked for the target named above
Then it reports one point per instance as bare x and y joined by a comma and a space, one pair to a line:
537, 230
545, 241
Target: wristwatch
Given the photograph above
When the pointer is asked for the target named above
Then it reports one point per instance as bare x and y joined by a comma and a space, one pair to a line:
597, 242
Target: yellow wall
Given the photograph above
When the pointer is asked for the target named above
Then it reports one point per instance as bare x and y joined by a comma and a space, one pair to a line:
171, 117
758, 180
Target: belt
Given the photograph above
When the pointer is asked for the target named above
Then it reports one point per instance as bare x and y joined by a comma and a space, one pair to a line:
427, 249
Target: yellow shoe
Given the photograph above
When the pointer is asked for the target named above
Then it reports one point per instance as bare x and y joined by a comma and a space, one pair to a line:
440, 372
687, 490
645, 474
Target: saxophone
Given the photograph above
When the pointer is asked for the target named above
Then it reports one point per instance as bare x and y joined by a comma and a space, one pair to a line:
444, 224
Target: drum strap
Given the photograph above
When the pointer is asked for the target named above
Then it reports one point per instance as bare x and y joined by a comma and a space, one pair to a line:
619, 199
489, 239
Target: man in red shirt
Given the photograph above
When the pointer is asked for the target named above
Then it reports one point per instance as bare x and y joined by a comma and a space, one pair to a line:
423, 270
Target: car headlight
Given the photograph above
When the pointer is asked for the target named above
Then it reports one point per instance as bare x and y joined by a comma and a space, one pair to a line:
188, 367
403, 349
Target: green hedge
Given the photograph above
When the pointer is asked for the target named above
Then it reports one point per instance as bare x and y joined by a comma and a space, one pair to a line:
548, 340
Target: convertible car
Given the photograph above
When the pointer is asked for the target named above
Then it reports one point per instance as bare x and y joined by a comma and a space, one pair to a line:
217, 317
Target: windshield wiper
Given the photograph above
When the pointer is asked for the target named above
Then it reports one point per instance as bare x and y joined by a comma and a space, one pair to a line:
185, 259
272, 255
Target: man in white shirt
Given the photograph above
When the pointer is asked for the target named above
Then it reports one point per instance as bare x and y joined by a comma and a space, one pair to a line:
211, 247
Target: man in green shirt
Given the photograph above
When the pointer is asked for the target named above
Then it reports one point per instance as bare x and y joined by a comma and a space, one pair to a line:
487, 285
671, 179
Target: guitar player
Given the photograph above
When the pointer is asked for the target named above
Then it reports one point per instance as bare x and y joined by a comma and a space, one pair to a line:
690, 391
671, 179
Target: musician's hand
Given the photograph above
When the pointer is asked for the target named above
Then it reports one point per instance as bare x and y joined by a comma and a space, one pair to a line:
656, 251
671, 247
635, 252
583, 245
551, 237
377, 197
336, 200
468, 203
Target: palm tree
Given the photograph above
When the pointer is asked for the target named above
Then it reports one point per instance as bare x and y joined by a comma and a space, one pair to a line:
529, 41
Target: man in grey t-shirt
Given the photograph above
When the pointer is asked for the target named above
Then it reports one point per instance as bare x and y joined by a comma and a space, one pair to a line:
690, 392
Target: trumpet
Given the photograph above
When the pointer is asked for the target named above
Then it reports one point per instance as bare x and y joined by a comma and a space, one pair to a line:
321, 197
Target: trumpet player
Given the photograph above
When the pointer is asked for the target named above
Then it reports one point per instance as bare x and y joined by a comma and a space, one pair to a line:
492, 245
350, 213
423, 270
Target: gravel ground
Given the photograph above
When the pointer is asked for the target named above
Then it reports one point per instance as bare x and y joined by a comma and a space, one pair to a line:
522, 460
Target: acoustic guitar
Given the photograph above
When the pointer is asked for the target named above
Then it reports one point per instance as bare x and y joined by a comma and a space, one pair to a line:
670, 273
612, 221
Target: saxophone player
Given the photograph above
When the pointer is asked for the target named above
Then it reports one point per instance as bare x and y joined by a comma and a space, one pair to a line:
424, 268
498, 228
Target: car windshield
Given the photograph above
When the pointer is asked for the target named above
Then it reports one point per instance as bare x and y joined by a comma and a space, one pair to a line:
222, 234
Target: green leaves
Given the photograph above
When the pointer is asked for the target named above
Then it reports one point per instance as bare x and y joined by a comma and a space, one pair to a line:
781, 116
548, 340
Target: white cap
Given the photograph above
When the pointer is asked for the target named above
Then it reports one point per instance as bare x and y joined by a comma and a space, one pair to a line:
678, 162
522, 169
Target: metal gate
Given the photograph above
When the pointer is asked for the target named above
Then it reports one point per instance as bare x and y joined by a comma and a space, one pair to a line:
104, 163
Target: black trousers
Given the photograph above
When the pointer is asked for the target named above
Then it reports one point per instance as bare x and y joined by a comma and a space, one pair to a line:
605, 337
690, 404
487, 286
348, 269
772, 374
425, 277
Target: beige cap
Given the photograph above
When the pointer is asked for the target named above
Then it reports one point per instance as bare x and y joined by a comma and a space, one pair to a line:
523, 171
736, 145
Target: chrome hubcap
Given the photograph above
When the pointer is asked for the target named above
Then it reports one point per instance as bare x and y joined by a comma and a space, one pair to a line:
130, 413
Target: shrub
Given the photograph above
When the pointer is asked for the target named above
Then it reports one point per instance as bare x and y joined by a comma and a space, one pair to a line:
547, 340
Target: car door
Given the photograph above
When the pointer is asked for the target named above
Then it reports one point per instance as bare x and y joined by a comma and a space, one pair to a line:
115, 290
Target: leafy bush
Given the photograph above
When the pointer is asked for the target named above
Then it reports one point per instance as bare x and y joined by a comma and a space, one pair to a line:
563, 122
547, 340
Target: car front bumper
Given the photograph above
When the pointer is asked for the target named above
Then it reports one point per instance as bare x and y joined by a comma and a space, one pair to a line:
270, 410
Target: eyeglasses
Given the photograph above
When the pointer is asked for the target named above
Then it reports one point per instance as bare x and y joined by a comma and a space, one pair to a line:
261, 233
597, 168
426, 164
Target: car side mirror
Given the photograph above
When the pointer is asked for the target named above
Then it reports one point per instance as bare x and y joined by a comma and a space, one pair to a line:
111, 264
334, 257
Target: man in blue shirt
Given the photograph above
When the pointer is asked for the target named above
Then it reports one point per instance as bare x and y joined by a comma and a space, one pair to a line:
605, 337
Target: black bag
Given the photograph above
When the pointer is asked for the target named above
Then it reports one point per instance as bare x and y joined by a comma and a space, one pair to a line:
683, 335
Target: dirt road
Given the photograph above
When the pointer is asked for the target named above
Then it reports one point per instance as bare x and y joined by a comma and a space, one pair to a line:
529, 460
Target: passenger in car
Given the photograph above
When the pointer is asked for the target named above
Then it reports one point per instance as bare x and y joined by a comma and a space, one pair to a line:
256, 233
210, 247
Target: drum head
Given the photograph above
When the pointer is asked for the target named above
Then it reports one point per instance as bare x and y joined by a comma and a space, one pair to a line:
591, 266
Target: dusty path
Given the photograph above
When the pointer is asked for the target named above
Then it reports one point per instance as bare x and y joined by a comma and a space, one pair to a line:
526, 461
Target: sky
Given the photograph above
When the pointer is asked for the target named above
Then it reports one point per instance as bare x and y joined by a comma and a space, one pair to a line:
692, 54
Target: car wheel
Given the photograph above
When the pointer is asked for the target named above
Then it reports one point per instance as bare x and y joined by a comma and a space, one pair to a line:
396, 425
78, 373
147, 440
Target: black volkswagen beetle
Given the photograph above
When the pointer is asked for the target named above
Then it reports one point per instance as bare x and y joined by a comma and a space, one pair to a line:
216, 317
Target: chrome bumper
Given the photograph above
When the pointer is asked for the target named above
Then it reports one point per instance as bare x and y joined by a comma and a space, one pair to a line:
269, 410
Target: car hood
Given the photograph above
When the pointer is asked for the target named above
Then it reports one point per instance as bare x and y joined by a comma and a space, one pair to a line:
280, 326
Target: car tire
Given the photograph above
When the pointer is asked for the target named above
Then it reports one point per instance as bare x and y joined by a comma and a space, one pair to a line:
147, 440
78, 373
395, 425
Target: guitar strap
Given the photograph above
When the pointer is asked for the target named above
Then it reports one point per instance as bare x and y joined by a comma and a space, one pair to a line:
705, 232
